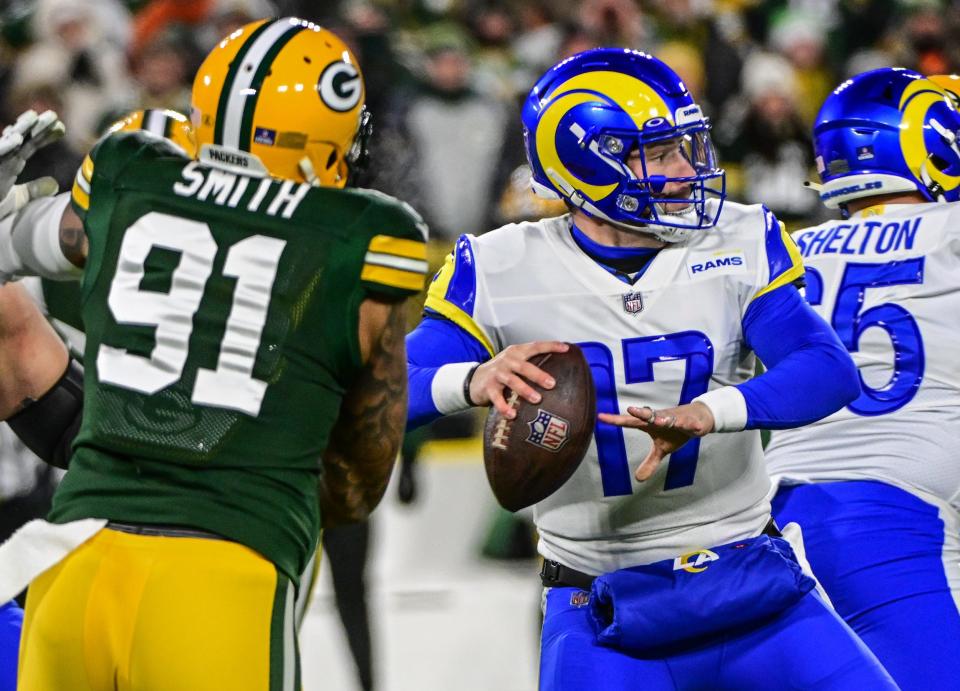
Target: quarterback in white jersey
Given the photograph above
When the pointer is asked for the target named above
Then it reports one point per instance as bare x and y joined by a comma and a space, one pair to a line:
665, 339
876, 486
670, 292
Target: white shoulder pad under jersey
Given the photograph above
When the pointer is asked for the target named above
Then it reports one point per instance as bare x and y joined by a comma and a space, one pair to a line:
888, 281
672, 335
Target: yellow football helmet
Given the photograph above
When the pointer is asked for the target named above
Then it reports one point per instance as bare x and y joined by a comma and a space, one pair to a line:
168, 124
288, 92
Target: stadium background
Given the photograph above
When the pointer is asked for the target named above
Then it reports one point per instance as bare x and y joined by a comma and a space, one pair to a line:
452, 588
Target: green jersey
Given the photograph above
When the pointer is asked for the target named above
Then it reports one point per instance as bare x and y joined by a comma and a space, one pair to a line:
221, 314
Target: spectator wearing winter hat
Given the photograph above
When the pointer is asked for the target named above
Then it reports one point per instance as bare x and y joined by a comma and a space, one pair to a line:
765, 145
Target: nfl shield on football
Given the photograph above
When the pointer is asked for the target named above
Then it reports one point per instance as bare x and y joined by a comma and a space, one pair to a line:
531, 456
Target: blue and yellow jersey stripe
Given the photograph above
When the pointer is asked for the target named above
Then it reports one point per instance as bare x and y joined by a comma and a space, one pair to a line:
80, 194
396, 263
452, 293
783, 256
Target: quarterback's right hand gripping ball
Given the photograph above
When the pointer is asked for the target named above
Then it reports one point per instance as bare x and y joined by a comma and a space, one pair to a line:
531, 456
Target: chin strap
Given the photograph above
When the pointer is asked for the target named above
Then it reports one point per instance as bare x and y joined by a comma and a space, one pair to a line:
934, 188
309, 173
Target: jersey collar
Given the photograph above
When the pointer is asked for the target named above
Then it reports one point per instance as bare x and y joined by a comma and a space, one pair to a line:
875, 210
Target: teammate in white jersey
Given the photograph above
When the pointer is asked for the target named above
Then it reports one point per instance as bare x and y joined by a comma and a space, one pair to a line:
876, 486
669, 301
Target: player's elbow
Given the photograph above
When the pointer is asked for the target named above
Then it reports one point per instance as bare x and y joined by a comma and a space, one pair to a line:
355, 479
832, 380
356, 509
845, 376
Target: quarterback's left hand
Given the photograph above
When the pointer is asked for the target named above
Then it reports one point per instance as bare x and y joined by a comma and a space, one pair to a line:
669, 428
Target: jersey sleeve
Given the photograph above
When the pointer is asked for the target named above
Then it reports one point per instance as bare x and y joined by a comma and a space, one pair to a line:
395, 263
80, 194
453, 292
809, 374
106, 159
109, 159
784, 264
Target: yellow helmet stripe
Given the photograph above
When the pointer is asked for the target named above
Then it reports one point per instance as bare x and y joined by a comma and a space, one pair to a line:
245, 87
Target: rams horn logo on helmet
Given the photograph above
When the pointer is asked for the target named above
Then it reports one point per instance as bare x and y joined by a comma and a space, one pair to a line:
916, 104
340, 86
888, 131
585, 118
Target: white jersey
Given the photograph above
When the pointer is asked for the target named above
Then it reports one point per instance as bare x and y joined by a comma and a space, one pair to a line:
672, 335
888, 280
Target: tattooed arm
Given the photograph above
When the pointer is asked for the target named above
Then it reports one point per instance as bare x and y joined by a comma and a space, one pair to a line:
366, 437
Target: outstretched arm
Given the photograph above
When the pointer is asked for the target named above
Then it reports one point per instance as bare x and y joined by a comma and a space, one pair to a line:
366, 437
43, 238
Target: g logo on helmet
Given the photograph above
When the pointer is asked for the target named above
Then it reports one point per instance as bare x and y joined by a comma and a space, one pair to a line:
340, 87
928, 138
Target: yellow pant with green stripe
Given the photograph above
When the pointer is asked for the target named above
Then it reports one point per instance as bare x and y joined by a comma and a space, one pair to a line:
127, 612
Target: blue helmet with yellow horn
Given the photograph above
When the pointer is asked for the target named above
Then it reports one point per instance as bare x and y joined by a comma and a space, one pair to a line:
887, 131
586, 115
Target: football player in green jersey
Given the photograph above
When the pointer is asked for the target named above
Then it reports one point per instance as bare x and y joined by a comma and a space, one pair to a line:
243, 320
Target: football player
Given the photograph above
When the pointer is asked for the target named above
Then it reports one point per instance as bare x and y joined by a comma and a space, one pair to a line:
243, 319
17, 143
669, 290
168, 124
876, 486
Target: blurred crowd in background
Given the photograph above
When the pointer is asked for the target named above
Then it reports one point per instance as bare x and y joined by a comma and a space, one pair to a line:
446, 80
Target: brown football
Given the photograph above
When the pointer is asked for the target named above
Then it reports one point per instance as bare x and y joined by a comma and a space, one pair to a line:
529, 457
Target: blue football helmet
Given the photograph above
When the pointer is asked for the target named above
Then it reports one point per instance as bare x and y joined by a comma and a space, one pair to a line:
586, 115
887, 131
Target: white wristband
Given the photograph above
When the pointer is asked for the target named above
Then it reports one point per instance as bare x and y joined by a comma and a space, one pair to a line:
447, 387
728, 406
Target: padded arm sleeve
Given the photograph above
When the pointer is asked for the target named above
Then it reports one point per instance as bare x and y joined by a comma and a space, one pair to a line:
49, 425
809, 373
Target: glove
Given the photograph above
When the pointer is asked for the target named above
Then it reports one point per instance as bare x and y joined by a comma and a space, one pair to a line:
18, 142
21, 195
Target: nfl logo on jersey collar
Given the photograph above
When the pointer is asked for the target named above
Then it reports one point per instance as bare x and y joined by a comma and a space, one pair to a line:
632, 303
